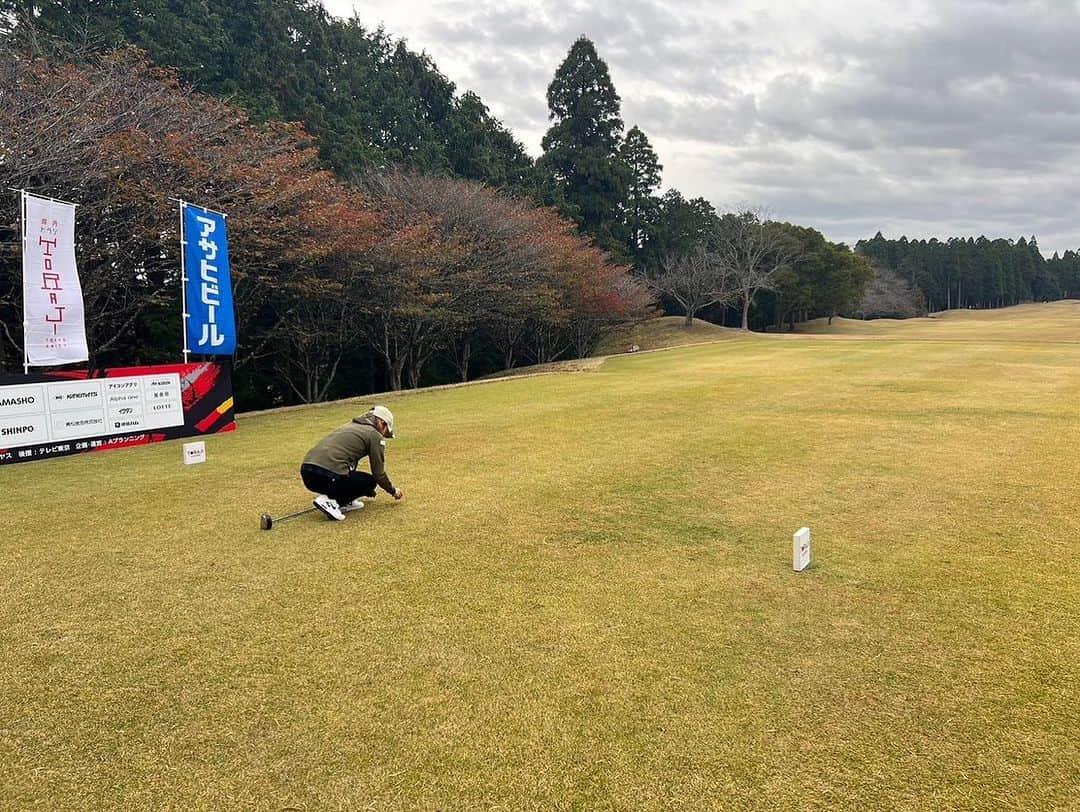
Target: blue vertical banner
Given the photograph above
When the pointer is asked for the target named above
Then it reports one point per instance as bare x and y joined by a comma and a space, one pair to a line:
210, 321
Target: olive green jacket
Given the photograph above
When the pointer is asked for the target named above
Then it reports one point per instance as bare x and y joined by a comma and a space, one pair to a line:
343, 448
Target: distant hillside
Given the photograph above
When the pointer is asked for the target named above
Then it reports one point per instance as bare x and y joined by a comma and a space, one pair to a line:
1051, 322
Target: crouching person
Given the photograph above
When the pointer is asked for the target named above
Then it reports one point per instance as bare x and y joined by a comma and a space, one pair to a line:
329, 469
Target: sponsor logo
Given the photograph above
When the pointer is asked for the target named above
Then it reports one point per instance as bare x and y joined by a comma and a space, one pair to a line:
74, 424
15, 431
80, 395
126, 424
24, 401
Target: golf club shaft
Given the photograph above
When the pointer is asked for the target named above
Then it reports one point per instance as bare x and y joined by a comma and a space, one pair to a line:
294, 515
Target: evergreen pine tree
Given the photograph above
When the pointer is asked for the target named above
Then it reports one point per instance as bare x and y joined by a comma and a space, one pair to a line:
641, 204
581, 149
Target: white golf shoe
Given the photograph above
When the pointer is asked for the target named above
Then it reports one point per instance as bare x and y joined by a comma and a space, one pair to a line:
355, 504
329, 507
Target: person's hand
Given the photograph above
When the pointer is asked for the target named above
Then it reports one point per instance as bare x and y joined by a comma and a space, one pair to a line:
399, 494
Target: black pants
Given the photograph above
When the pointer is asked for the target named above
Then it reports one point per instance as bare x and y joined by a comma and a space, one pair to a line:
342, 488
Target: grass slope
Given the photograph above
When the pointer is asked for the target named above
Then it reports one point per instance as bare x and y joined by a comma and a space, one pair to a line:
586, 598
662, 332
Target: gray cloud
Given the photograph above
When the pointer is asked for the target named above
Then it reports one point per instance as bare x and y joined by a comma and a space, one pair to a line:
925, 118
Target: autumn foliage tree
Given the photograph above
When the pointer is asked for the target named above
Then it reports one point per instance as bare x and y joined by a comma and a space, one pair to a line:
124, 140
486, 268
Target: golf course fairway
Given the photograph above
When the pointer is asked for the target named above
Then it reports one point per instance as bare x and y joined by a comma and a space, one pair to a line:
586, 598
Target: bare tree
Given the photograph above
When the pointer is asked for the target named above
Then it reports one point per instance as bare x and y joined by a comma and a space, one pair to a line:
694, 280
890, 295
319, 326
753, 249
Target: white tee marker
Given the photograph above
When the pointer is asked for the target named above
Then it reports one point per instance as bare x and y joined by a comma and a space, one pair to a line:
194, 453
800, 550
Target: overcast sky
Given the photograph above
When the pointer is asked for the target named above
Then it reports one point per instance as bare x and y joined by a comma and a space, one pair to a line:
918, 118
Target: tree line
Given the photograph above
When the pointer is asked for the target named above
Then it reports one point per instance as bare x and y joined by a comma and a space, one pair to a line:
371, 103
391, 279
367, 100
980, 273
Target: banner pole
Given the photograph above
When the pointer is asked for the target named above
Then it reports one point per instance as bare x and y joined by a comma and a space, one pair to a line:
183, 283
26, 324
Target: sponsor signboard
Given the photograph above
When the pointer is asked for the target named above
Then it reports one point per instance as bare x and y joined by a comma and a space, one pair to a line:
60, 413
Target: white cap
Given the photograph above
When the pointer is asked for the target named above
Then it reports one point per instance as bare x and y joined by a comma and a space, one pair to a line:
386, 416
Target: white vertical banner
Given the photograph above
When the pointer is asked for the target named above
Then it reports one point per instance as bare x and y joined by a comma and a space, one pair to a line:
54, 324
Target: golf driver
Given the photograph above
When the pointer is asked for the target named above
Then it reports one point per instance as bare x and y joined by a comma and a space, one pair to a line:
266, 521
